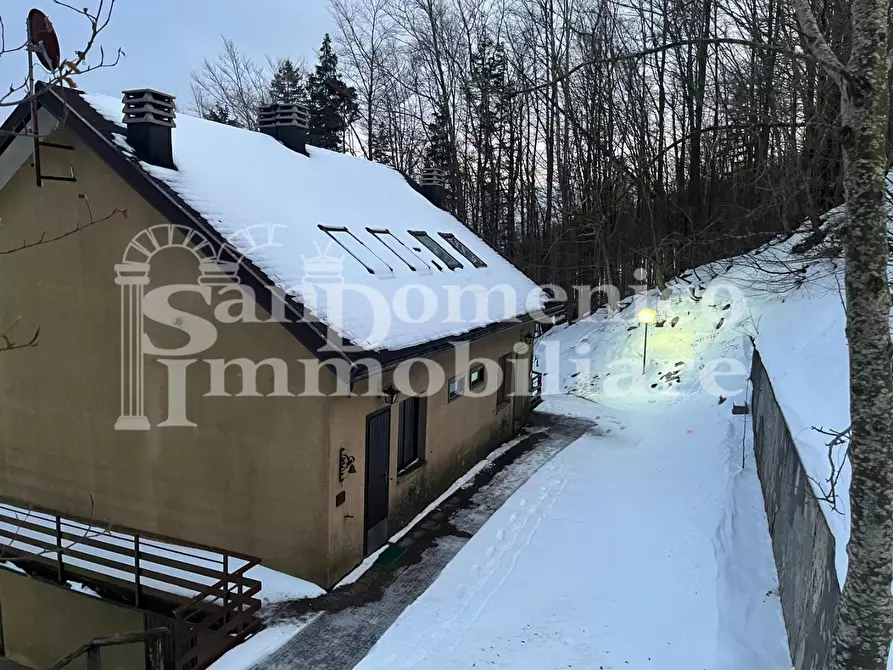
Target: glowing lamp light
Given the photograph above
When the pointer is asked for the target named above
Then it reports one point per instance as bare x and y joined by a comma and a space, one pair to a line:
647, 316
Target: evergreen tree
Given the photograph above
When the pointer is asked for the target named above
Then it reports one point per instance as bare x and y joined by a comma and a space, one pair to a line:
287, 85
221, 114
487, 98
380, 146
332, 103
438, 152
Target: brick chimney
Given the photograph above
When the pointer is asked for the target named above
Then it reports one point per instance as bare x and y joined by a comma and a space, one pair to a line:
432, 181
150, 119
286, 122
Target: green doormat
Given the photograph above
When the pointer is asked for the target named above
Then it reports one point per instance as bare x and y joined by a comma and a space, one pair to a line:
389, 556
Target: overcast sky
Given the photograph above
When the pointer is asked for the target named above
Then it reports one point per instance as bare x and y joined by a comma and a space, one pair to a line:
165, 39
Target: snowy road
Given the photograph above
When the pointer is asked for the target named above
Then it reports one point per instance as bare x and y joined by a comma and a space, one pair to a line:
642, 545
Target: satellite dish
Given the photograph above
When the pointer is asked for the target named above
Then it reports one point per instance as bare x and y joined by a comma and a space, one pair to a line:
42, 40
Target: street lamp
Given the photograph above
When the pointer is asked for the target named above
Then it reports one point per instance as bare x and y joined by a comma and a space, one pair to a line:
646, 316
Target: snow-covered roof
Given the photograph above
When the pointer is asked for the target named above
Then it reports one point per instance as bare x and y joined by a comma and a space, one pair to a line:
329, 228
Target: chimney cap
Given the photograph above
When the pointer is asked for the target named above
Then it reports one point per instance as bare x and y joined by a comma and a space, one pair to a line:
432, 176
145, 105
280, 114
140, 92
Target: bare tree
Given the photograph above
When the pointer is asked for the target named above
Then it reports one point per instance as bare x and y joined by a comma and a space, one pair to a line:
588, 139
363, 33
97, 20
233, 81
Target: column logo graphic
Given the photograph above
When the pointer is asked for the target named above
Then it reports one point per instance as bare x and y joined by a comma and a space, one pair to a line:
218, 266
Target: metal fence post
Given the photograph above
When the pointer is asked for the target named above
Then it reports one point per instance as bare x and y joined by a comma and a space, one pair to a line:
136, 570
60, 565
94, 660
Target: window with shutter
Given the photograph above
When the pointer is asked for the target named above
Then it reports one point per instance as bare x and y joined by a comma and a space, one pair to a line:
410, 444
503, 393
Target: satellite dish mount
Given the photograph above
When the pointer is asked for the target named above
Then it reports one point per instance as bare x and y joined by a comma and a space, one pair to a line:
43, 43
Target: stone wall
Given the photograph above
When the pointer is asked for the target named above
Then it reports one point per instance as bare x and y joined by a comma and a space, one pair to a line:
801, 540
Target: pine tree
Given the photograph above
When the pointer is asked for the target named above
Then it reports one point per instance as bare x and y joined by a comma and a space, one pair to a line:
380, 146
287, 85
332, 103
438, 152
221, 114
488, 99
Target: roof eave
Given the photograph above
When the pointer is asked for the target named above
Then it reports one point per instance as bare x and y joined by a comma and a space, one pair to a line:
70, 108
73, 111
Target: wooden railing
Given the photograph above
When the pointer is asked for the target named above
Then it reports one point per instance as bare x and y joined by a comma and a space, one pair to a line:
216, 620
203, 595
153, 640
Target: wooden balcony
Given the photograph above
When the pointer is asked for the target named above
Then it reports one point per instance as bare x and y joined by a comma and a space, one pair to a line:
201, 594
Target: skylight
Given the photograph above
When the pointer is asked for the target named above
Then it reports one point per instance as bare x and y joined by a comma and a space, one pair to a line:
473, 258
436, 249
367, 258
401, 251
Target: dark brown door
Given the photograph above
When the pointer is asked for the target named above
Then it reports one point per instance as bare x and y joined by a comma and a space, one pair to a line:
378, 460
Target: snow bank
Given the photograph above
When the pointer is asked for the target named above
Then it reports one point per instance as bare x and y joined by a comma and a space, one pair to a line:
702, 349
641, 545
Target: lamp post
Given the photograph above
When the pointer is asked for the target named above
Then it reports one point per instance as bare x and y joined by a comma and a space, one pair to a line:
646, 316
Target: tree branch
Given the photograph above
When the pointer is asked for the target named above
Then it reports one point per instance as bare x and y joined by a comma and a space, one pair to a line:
659, 49
818, 46
43, 239
98, 22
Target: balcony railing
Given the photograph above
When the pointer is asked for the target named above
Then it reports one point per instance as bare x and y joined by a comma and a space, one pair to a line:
203, 594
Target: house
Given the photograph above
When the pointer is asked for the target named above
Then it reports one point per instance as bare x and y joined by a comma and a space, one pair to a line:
249, 348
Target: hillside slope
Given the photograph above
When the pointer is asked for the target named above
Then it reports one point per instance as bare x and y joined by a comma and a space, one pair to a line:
699, 351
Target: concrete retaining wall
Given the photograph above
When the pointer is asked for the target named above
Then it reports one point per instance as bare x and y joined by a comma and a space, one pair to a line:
801, 540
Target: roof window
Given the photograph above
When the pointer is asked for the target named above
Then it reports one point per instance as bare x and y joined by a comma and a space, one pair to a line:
401, 251
436, 249
472, 257
364, 255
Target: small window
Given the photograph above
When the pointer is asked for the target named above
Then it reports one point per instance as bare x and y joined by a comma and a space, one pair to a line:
457, 387
472, 257
476, 377
502, 393
411, 442
436, 249
365, 256
401, 251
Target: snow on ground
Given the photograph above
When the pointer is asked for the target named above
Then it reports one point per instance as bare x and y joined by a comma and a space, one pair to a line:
259, 646
641, 545
644, 544
462, 482
798, 326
